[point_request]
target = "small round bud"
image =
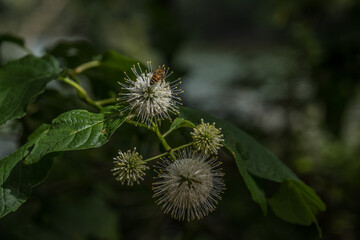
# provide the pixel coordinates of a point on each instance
(207, 138)
(129, 167)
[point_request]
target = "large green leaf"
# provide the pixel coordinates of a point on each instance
(297, 203)
(254, 159)
(21, 81)
(257, 193)
(74, 130)
(16, 179)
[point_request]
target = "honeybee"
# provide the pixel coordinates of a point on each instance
(159, 75)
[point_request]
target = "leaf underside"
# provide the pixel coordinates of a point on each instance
(21, 81)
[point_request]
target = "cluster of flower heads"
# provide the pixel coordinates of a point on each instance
(189, 183)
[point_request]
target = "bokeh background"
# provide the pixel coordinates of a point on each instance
(287, 72)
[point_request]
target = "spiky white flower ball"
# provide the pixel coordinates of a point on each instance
(129, 167)
(188, 188)
(207, 138)
(150, 97)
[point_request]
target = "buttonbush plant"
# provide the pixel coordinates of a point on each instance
(189, 180)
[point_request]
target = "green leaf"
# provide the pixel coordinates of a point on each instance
(254, 159)
(297, 203)
(73, 130)
(12, 38)
(76, 130)
(115, 64)
(178, 123)
(21, 81)
(16, 179)
(181, 122)
(17, 187)
(257, 194)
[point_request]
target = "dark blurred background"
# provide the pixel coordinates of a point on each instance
(287, 72)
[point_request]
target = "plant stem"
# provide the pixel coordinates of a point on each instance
(86, 66)
(82, 93)
(182, 146)
(106, 101)
(166, 153)
(156, 157)
(139, 124)
(163, 142)
(169, 131)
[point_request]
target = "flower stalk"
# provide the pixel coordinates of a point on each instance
(166, 153)
(137, 124)
(163, 142)
(86, 66)
(82, 93)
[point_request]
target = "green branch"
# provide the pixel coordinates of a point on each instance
(86, 66)
(156, 157)
(137, 124)
(163, 142)
(168, 132)
(183, 146)
(82, 93)
(155, 129)
(166, 153)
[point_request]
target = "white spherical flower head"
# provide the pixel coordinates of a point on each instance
(189, 188)
(150, 97)
(207, 138)
(129, 167)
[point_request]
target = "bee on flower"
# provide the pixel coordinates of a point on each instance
(129, 167)
(150, 96)
(189, 187)
(207, 138)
